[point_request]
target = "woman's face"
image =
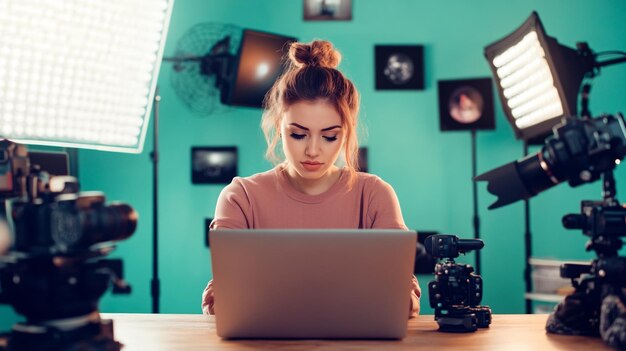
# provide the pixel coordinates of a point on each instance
(312, 138)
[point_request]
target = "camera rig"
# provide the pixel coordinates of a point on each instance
(457, 291)
(597, 305)
(581, 150)
(52, 269)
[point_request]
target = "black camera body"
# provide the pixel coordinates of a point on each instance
(599, 219)
(605, 223)
(457, 291)
(456, 284)
(52, 266)
(581, 149)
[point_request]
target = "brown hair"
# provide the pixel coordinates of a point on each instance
(312, 75)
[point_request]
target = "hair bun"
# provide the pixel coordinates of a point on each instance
(319, 53)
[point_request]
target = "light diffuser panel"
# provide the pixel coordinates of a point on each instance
(80, 73)
(527, 82)
(537, 79)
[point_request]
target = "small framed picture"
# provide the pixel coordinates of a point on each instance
(363, 166)
(327, 10)
(424, 262)
(213, 165)
(466, 104)
(399, 67)
(207, 231)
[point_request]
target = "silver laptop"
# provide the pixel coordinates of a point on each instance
(312, 284)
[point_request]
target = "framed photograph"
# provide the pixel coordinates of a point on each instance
(399, 67)
(207, 231)
(363, 166)
(327, 10)
(466, 104)
(424, 262)
(213, 165)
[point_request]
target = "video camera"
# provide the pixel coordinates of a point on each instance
(53, 240)
(581, 150)
(456, 292)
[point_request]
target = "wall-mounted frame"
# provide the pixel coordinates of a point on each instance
(213, 165)
(363, 162)
(207, 231)
(399, 67)
(327, 10)
(466, 104)
(424, 262)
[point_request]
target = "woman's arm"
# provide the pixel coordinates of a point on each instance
(232, 208)
(231, 212)
(385, 213)
(208, 299)
(384, 210)
(416, 293)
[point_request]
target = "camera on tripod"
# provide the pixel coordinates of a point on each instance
(457, 291)
(52, 269)
(581, 150)
(588, 311)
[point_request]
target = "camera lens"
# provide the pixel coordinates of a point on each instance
(536, 173)
(113, 222)
(79, 221)
(519, 180)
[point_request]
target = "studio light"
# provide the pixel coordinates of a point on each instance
(537, 78)
(80, 73)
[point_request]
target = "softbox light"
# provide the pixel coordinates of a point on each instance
(537, 78)
(80, 73)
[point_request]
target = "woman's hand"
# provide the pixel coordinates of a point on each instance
(416, 293)
(208, 299)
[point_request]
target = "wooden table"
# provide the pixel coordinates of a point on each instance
(142, 332)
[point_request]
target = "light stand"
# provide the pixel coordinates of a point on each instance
(155, 284)
(476, 218)
(467, 105)
(527, 248)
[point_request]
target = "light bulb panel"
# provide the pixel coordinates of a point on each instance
(80, 73)
(524, 65)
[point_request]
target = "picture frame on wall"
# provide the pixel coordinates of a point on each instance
(327, 10)
(213, 165)
(207, 231)
(466, 104)
(363, 163)
(424, 262)
(399, 67)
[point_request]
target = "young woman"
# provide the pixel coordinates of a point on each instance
(312, 112)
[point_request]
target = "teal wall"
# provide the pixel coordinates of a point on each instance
(430, 170)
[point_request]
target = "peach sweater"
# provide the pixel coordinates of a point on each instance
(268, 200)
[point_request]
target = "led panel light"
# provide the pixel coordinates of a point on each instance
(80, 73)
(537, 79)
